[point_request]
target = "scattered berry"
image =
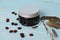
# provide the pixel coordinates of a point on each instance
(17, 19)
(7, 19)
(22, 35)
(15, 24)
(19, 28)
(11, 31)
(15, 31)
(12, 23)
(7, 28)
(13, 12)
(30, 34)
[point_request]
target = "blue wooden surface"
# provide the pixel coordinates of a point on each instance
(47, 7)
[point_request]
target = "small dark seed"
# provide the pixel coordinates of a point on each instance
(11, 31)
(30, 34)
(22, 35)
(15, 24)
(13, 12)
(7, 19)
(15, 31)
(12, 23)
(17, 19)
(19, 28)
(7, 28)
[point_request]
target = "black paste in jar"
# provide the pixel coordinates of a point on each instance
(29, 21)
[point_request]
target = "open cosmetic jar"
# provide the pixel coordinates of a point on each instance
(29, 16)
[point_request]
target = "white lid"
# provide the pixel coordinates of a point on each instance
(28, 11)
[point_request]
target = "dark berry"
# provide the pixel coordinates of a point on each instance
(15, 31)
(19, 28)
(22, 35)
(15, 24)
(12, 23)
(11, 31)
(17, 19)
(30, 34)
(7, 19)
(13, 12)
(7, 28)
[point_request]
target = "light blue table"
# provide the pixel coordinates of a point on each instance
(47, 7)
